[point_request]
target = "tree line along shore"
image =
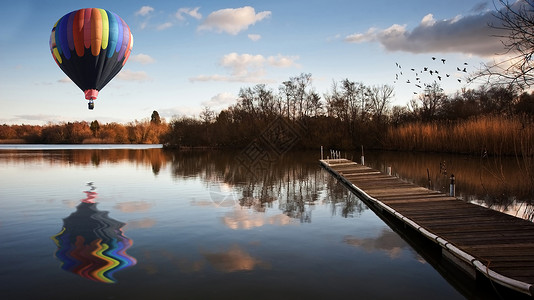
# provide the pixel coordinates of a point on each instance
(492, 121)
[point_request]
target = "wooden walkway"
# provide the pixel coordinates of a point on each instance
(487, 242)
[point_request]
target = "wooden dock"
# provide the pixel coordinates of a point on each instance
(481, 241)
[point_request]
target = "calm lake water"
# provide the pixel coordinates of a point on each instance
(103, 222)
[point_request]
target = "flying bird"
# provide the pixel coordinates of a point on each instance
(443, 60)
(433, 58)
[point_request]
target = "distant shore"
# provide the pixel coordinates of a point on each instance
(13, 141)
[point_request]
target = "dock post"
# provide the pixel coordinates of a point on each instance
(321, 152)
(452, 191)
(363, 158)
(389, 170)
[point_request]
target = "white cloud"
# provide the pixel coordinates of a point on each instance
(281, 61)
(142, 58)
(42, 118)
(192, 12)
(369, 36)
(221, 99)
(242, 64)
(179, 111)
(65, 79)
(254, 37)
(207, 78)
(164, 26)
(462, 34)
(130, 75)
(480, 7)
(145, 10)
(428, 20)
(250, 78)
(248, 68)
(233, 20)
(333, 37)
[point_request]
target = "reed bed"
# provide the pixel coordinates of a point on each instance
(488, 135)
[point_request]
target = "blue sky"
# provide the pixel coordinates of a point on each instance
(191, 54)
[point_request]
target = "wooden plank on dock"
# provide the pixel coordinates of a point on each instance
(499, 246)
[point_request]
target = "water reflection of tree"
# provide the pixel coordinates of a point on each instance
(154, 157)
(294, 182)
(495, 182)
(342, 200)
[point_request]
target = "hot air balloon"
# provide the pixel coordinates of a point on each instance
(91, 46)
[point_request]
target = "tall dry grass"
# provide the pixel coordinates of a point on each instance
(491, 138)
(488, 135)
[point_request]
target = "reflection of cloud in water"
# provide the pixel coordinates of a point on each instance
(195, 202)
(152, 262)
(220, 195)
(233, 260)
(388, 242)
(247, 219)
(133, 206)
(143, 223)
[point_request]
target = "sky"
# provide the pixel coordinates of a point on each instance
(188, 55)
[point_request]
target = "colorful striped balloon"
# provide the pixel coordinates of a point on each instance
(91, 46)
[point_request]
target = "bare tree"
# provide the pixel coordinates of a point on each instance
(295, 91)
(207, 115)
(431, 101)
(287, 90)
(335, 104)
(314, 106)
(380, 100)
(516, 23)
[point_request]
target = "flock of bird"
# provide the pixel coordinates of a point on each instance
(419, 77)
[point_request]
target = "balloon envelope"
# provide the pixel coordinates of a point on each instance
(91, 46)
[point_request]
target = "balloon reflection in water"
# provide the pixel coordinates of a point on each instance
(91, 244)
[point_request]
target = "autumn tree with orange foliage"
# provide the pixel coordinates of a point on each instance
(137, 132)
